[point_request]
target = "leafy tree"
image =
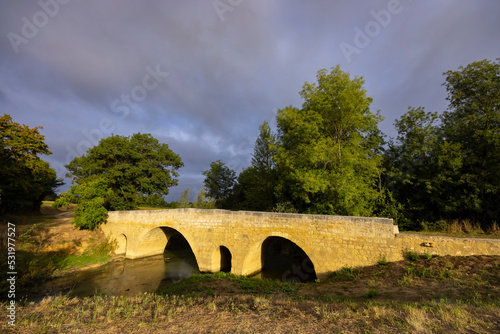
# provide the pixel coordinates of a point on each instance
(153, 200)
(473, 122)
(134, 168)
(326, 150)
(118, 174)
(448, 167)
(183, 202)
(202, 201)
(92, 198)
(256, 184)
(420, 167)
(219, 182)
(25, 179)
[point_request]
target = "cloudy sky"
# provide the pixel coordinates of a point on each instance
(202, 75)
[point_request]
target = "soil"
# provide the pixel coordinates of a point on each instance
(60, 234)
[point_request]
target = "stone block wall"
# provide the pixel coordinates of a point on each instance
(331, 242)
(438, 245)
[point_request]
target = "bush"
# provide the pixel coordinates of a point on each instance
(285, 207)
(90, 213)
(93, 197)
(64, 200)
(436, 226)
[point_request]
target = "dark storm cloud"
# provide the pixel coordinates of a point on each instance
(87, 70)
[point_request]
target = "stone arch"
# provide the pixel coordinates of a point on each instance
(222, 259)
(121, 247)
(254, 261)
(156, 240)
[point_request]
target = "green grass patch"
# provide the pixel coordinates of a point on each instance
(382, 260)
(196, 284)
(345, 274)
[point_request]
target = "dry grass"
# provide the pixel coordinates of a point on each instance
(458, 226)
(466, 299)
(494, 229)
(48, 244)
(422, 294)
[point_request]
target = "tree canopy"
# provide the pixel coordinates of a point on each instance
(472, 122)
(326, 157)
(25, 179)
(133, 168)
(256, 185)
(219, 182)
(448, 166)
(329, 157)
(325, 150)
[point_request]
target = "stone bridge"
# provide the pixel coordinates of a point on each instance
(237, 238)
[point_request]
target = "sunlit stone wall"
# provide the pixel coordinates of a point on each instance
(331, 242)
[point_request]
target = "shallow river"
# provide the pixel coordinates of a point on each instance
(124, 277)
(282, 261)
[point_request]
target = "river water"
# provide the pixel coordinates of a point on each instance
(282, 261)
(129, 277)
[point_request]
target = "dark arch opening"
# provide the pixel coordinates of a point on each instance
(178, 248)
(225, 259)
(283, 259)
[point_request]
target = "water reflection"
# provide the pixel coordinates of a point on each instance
(131, 277)
(282, 260)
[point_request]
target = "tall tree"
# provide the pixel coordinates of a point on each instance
(326, 149)
(219, 182)
(202, 202)
(24, 178)
(473, 121)
(257, 184)
(448, 167)
(184, 201)
(421, 167)
(133, 168)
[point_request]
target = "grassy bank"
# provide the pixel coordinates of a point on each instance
(422, 294)
(47, 244)
(418, 295)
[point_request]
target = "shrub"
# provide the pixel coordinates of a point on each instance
(372, 293)
(90, 213)
(93, 197)
(284, 207)
(494, 229)
(436, 226)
